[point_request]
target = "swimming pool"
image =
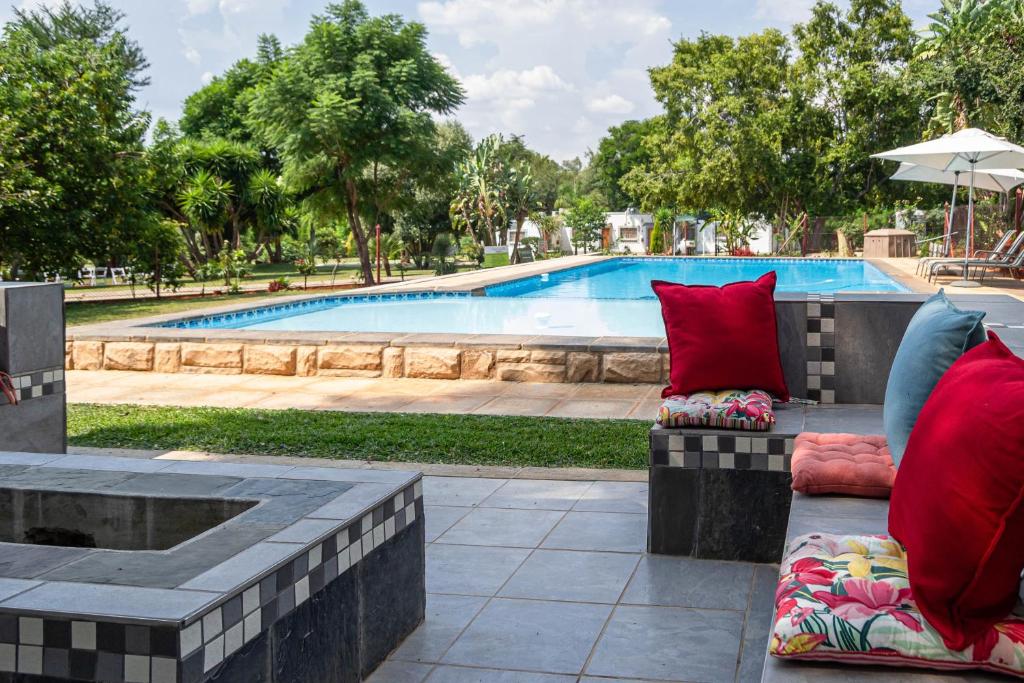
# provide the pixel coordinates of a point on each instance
(612, 298)
(630, 278)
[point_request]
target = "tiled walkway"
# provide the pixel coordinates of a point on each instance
(547, 582)
(374, 395)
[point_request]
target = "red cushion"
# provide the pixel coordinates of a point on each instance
(956, 503)
(845, 464)
(722, 337)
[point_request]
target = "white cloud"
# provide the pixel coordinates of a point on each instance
(194, 7)
(39, 4)
(221, 43)
(207, 77)
(784, 12)
(559, 72)
(610, 104)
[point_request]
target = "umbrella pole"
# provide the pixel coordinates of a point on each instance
(965, 281)
(948, 246)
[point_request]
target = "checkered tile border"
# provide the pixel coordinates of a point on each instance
(821, 348)
(110, 652)
(216, 635)
(40, 383)
(679, 448)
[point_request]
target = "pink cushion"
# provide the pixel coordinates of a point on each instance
(848, 464)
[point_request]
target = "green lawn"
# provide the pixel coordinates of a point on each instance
(89, 312)
(451, 439)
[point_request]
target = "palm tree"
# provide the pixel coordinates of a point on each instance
(521, 196)
(478, 203)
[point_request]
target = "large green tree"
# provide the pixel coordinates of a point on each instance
(71, 140)
(358, 91)
(620, 151)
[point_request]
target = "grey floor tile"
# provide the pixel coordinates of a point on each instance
(758, 626)
(669, 643)
(530, 635)
(686, 582)
(470, 570)
(537, 494)
(446, 616)
(572, 575)
(400, 672)
(507, 528)
(848, 419)
(614, 496)
(459, 491)
(461, 674)
(613, 531)
(440, 518)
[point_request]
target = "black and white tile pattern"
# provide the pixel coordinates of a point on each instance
(692, 449)
(821, 348)
(39, 383)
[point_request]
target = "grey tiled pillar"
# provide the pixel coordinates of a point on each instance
(32, 353)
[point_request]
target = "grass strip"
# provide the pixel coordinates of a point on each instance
(449, 439)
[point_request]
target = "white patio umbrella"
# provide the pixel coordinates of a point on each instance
(994, 180)
(968, 150)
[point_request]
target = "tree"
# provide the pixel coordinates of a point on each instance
(663, 221)
(479, 203)
(358, 90)
(71, 141)
(586, 220)
(618, 152)
(521, 196)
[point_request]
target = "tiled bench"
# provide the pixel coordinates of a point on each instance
(717, 494)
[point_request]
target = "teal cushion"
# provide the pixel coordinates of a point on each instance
(938, 334)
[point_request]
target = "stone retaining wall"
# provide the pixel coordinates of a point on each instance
(370, 360)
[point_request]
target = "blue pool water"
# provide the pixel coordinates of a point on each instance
(610, 298)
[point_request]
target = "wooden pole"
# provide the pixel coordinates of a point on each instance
(378, 252)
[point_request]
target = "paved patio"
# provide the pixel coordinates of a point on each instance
(546, 581)
(639, 401)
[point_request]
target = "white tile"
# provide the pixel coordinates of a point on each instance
(828, 325)
(37, 391)
(30, 631)
(813, 339)
(417, 489)
(48, 376)
(136, 669)
(410, 513)
(813, 367)
(828, 368)
(30, 659)
(344, 559)
(742, 444)
(191, 639)
(233, 638)
(366, 524)
(790, 444)
(398, 501)
(813, 310)
(316, 554)
(759, 445)
(675, 458)
(212, 624)
(213, 654)
(8, 657)
(813, 382)
(83, 635)
(710, 443)
(828, 396)
(253, 625)
(726, 461)
(301, 590)
(776, 463)
(58, 375)
(251, 599)
(389, 528)
(378, 536)
(367, 543)
(165, 670)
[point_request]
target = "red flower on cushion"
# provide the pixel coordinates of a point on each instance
(984, 645)
(809, 571)
(865, 599)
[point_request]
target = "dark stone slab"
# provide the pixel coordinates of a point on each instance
(743, 515)
(19, 561)
(674, 497)
(67, 479)
(791, 320)
(181, 484)
(867, 336)
(35, 426)
(32, 328)
(846, 419)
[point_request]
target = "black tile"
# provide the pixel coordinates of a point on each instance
(378, 516)
(163, 642)
(828, 310)
(48, 391)
(400, 515)
(659, 458)
(330, 569)
(286, 601)
(813, 325)
(692, 443)
(232, 612)
(419, 508)
(192, 668)
(109, 666)
(726, 444)
(285, 576)
(268, 589)
(136, 640)
(410, 495)
(331, 545)
(269, 614)
(814, 353)
(82, 665)
(56, 633)
(828, 382)
(300, 567)
(8, 628)
(828, 355)
(741, 461)
(55, 662)
(354, 532)
(389, 507)
(814, 394)
(110, 637)
(776, 446)
(316, 580)
(672, 523)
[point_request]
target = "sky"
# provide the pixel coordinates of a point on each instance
(558, 72)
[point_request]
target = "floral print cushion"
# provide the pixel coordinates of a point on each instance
(732, 409)
(847, 598)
